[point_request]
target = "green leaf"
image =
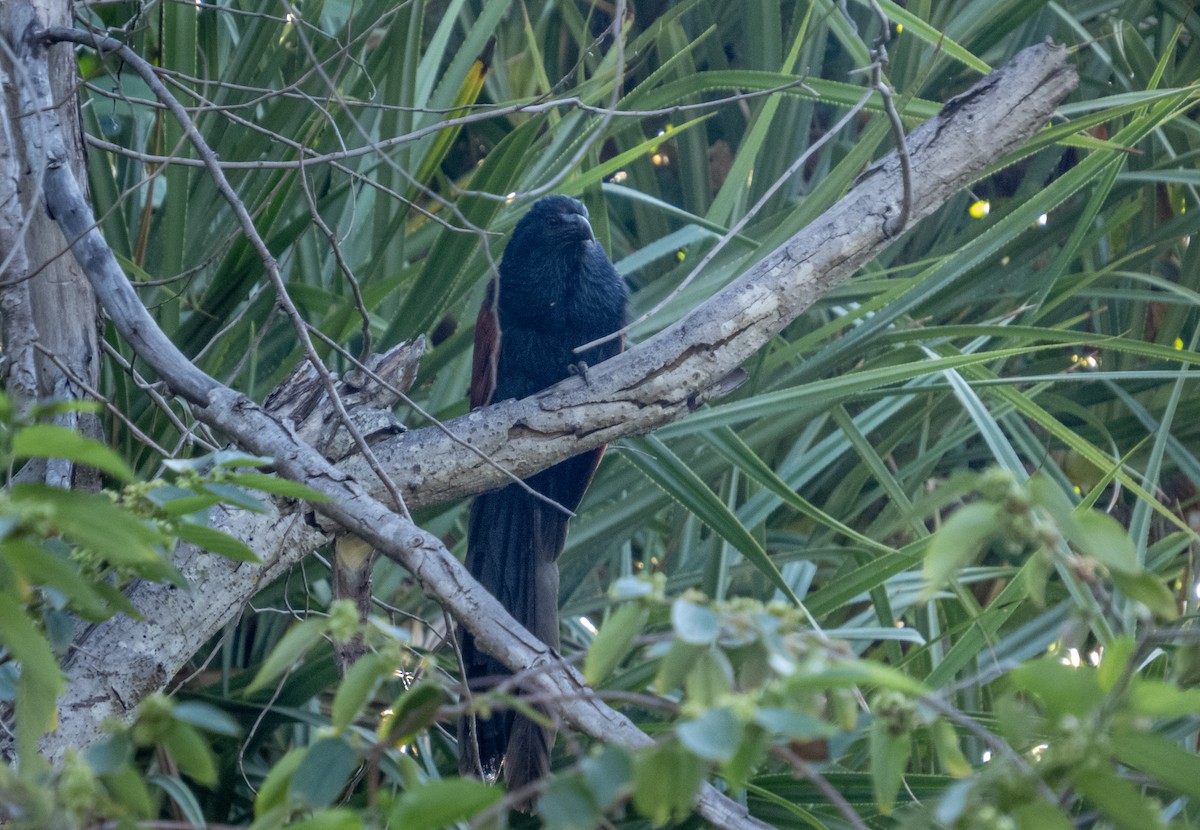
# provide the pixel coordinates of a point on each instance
(808, 398)
(1038, 569)
(938, 39)
(1040, 815)
(127, 787)
(1046, 494)
(710, 678)
(339, 818)
(412, 712)
(1160, 699)
(856, 673)
(50, 441)
(40, 566)
(736, 450)
(234, 458)
(568, 804)
(1118, 799)
(835, 92)
(356, 689)
(1102, 537)
(472, 85)
(217, 542)
(889, 761)
(92, 521)
(694, 624)
(945, 743)
(608, 771)
(272, 794)
(191, 753)
(439, 803)
(750, 753)
(613, 642)
(595, 175)
(673, 668)
(208, 717)
(1149, 590)
(1113, 664)
(114, 597)
(110, 755)
(666, 778)
(630, 588)
(276, 486)
(959, 542)
(179, 792)
(322, 774)
(791, 724)
(235, 496)
(714, 736)
(178, 501)
(1159, 758)
(41, 679)
(1061, 689)
(294, 645)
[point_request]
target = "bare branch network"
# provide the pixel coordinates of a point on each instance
(654, 383)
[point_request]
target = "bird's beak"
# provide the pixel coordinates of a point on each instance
(585, 227)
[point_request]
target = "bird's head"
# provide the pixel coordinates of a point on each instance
(554, 222)
(552, 256)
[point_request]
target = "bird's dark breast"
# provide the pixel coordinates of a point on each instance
(580, 300)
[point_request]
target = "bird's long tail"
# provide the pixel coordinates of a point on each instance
(514, 542)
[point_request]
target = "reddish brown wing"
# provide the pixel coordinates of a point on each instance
(485, 362)
(486, 359)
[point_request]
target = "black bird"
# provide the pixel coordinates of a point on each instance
(557, 290)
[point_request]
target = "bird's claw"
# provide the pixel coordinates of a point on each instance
(580, 368)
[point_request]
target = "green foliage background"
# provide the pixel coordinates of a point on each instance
(838, 469)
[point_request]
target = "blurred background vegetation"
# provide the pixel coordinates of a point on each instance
(835, 472)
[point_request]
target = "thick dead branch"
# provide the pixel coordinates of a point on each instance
(659, 381)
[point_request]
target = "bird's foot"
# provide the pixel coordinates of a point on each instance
(580, 368)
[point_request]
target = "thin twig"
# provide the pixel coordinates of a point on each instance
(486, 112)
(895, 224)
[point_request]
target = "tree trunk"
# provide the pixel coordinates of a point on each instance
(51, 304)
